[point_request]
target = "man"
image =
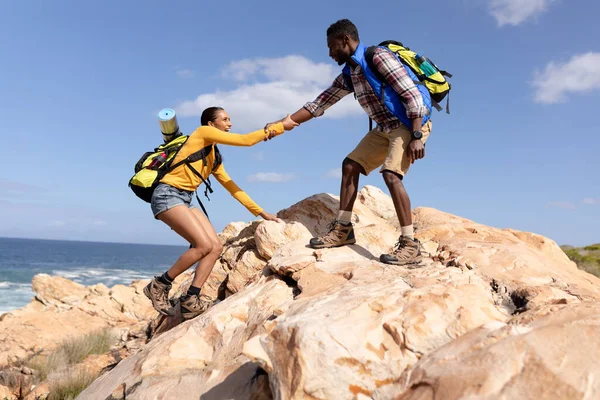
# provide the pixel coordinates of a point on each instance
(401, 110)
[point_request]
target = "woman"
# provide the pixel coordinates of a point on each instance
(171, 203)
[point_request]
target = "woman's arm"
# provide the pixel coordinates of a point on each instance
(221, 175)
(214, 135)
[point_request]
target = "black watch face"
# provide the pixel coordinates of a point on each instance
(417, 135)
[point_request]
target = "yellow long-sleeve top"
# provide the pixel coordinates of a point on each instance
(183, 178)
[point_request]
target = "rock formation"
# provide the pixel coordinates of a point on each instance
(489, 313)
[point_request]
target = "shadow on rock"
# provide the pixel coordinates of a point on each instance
(255, 388)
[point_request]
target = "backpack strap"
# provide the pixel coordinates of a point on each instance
(197, 156)
(348, 82)
(218, 158)
(369, 54)
(385, 43)
(202, 206)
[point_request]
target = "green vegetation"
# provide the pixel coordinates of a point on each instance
(69, 387)
(587, 258)
(67, 379)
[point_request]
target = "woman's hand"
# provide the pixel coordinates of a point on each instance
(287, 122)
(269, 217)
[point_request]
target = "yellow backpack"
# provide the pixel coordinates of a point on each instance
(426, 71)
(154, 165)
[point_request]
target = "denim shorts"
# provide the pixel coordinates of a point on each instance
(166, 197)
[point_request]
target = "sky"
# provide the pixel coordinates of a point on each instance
(81, 84)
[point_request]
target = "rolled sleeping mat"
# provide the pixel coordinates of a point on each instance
(168, 124)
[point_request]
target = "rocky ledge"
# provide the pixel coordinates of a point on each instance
(489, 313)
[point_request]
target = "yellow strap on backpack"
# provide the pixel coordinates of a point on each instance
(436, 82)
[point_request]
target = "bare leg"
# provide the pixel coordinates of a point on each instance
(205, 266)
(399, 197)
(183, 221)
(342, 232)
(349, 188)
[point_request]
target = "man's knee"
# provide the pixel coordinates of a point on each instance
(392, 178)
(351, 167)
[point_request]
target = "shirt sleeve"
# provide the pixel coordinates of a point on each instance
(221, 175)
(214, 135)
(329, 97)
(396, 76)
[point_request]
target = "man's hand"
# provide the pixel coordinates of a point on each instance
(269, 217)
(288, 125)
(416, 150)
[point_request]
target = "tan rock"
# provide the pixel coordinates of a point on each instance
(201, 356)
(316, 212)
(57, 291)
(26, 333)
(6, 393)
(131, 302)
(270, 236)
(216, 284)
(379, 203)
(40, 327)
(231, 231)
(26, 371)
(510, 260)
(95, 364)
(371, 329)
(15, 382)
(240, 263)
(39, 392)
(485, 312)
(312, 281)
(554, 357)
(248, 266)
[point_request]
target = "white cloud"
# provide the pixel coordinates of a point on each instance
(185, 73)
(561, 204)
(271, 177)
(590, 201)
(514, 12)
(580, 74)
(291, 68)
(268, 89)
(258, 156)
(334, 173)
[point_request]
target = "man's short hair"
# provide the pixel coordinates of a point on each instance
(343, 27)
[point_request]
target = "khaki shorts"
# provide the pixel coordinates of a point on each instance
(388, 150)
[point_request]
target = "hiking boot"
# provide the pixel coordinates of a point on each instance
(192, 306)
(339, 234)
(158, 293)
(406, 251)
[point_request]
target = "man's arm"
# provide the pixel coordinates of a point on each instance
(416, 148)
(301, 116)
(313, 109)
(396, 76)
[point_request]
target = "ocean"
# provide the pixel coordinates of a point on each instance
(87, 263)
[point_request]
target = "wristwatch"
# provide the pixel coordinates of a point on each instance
(416, 135)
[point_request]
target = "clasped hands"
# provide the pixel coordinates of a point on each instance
(288, 125)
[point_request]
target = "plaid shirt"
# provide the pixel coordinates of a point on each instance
(395, 75)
